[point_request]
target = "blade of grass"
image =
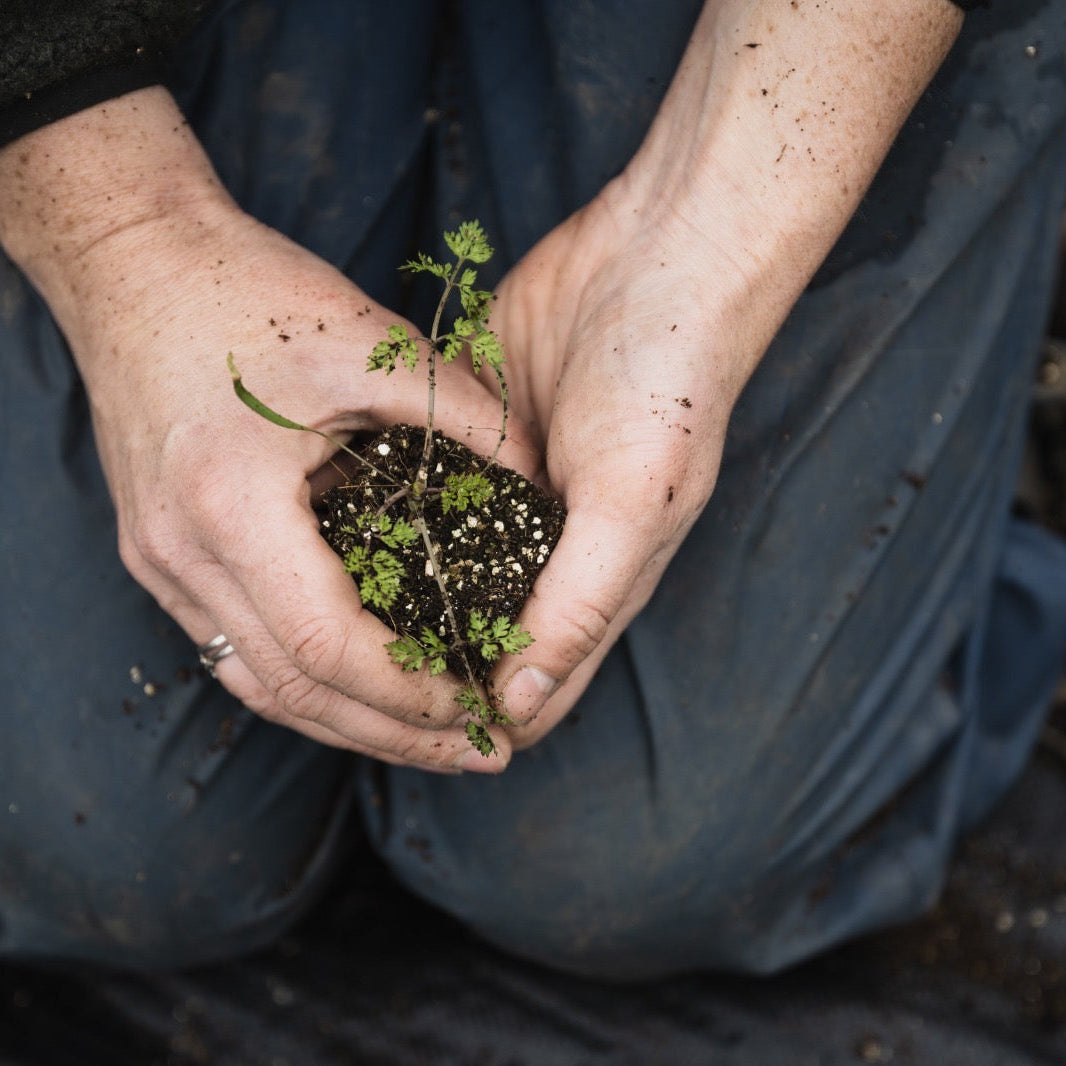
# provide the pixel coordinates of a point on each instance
(252, 401)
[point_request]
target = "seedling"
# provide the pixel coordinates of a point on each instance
(444, 545)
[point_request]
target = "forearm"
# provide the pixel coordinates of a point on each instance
(775, 124)
(82, 197)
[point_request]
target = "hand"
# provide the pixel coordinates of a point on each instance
(632, 328)
(613, 358)
(213, 502)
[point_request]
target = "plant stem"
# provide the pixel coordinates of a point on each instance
(419, 522)
(253, 402)
(398, 495)
(422, 479)
(503, 420)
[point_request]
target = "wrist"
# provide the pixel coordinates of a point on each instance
(83, 195)
(775, 124)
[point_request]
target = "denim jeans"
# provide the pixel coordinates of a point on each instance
(843, 668)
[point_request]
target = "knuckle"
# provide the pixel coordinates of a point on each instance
(209, 503)
(319, 648)
(130, 554)
(265, 706)
(423, 754)
(294, 693)
(583, 627)
(147, 542)
(408, 752)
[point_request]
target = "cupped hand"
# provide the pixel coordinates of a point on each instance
(627, 359)
(213, 501)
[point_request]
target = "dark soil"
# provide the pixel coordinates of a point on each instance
(490, 555)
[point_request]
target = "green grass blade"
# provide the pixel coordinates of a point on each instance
(260, 408)
(257, 405)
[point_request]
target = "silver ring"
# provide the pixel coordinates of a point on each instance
(213, 652)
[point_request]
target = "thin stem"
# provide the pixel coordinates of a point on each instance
(503, 421)
(434, 338)
(355, 455)
(398, 495)
(418, 518)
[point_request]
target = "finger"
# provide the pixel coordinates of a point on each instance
(379, 737)
(301, 625)
(601, 565)
(339, 721)
(210, 598)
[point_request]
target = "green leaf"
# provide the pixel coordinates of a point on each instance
(381, 586)
(394, 532)
(516, 639)
(486, 348)
(469, 242)
(433, 643)
(479, 736)
(356, 560)
(482, 714)
(379, 575)
(407, 652)
(400, 345)
(477, 627)
(479, 631)
(474, 703)
(453, 348)
(412, 654)
(425, 264)
(491, 637)
(455, 341)
(382, 357)
(475, 302)
(463, 491)
(258, 406)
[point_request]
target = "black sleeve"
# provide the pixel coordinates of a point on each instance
(58, 57)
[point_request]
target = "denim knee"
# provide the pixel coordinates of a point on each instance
(136, 867)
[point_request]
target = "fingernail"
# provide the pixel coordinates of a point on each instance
(527, 692)
(475, 762)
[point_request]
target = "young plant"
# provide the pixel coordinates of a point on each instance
(408, 523)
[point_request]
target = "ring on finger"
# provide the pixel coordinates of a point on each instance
(213, 652)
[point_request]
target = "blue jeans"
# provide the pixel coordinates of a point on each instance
(843, 668)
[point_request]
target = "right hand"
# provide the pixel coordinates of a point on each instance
(213, 501)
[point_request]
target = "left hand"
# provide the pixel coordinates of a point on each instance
(613, 357)
(632, 327)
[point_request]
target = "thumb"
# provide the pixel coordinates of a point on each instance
(600, 574)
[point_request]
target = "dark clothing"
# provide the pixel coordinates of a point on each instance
(845, 665)
(57, 57)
